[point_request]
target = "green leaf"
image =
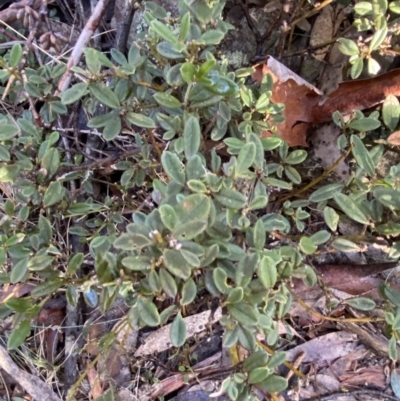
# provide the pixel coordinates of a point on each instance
(164, 31)
(267, 272)
(307, 245)
(273, 384)
(112, 128)
(19, 305)
(273, 182)
(155, 10)
(176, 263)
(394, 6)
(244, 313)
(173, 167)
(187, 72)
(168, 216)
(154, 282)
(235, 296)
(149, 313)
(47, 287)
(92, 60)
(292, 174)
(189, 292)
(193, 207)
(197, 186)
(320, 237)
(326, 192)
(210, 37)
(348, 47)
(195, 169)
(45, 228)
(365, 124)
(8, 131)
(373, 66)
(259, 202)
(54, 194)
(350, 208)
(178, 331)
(271, 143)
(311, 278)
(393, 353)
(361, 303)
(259, 235)
(185, 26)
(140, 120)
(137, 263)
(245, 269)
(255, 360)
(220, 277)
(189, 230)
(231, 199)
(277, 359)
(104, 94)
(258, 375)
(296, 157)
(40, 262)
(331, 218)
(75, 263)
(344, 245)
(166, 100)
(19, 335)
(51, 161)
(19, 271)
(391, 112)
(245, 158)
(166, 50)
(4, 153)
(395, 380)
(362, 155)
(191, 136)
(72, 296)
(168, 283)
(74, 93)
(16, 54)
(377, 39)
(174, 77)
(393, 295)
(128, 242)
(356, 68)
(363, 7)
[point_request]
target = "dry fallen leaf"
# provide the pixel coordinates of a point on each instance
(326, 348)
(322, 31)
(297, 95)
(305, 104)
(324, 141)
(159, 340)
(371, 376)
(394, 138)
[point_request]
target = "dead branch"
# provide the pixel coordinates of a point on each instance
(31, 384)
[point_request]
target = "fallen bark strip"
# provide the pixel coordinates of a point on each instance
(31, 384)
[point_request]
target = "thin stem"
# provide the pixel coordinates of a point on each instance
(187, 94)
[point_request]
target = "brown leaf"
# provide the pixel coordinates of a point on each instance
(325, 348)
(16, 291)
(371, 376)
(357, 95)
(298, 96)
(305, 104)
(94, 381)
(352, 279)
